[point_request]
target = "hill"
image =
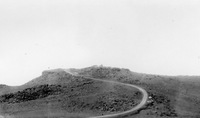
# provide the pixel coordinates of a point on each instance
(79, 95)
(57, 93)
(172, 96)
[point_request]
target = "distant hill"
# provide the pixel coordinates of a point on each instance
(170, 96)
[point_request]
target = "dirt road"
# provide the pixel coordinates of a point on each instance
(142, 103)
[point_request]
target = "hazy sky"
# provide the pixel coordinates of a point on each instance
(148, 36)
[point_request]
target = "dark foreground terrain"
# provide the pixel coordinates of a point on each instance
(58, 94)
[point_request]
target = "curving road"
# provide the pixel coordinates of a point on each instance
(142, 103)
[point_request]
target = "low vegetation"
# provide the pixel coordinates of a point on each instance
(33, 93)
(172, 96)
(80, 95)
(62, 94)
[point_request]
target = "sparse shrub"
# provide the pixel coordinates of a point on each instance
(164, 102)
(33, 93)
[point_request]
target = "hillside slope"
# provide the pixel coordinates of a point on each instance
(60, 94)
(170, 96)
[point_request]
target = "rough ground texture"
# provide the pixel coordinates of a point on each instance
(73, 97)
(172, 96)
(58, 93)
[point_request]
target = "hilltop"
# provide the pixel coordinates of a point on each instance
(62, 94)
(170, 96)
